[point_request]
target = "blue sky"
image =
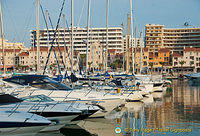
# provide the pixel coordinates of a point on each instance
(19, 15)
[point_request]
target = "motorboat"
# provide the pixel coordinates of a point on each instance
(41, 84)
(57, 112)
(14, 122)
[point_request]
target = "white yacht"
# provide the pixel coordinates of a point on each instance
(59, 113)
(39, 84)
(19, 122)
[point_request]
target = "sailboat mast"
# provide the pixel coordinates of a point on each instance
(3, 53)
(88, 25)
(106, 54)
(141, 49)
(133, 48)
(128, 45)
(135, 43)
(72, 33)
(47, 19)
(38, 44)
(65, 48)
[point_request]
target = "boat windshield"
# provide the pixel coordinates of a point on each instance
(38, 81)
(49, 84)
(37, 98)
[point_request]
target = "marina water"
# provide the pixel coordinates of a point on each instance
(176, 113)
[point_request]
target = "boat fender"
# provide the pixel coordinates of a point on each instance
(118, 90)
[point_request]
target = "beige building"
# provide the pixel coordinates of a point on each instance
(145, 58)
(60, 54)
(191, 60)
(95, 55)
(12, 45)
(156, 36)
(9, 56)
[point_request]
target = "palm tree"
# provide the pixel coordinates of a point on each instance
(100, 66)
(182, 62)
(151, 65)
(162, 64)
(90, 63)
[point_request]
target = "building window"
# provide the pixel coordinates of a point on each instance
(175, 63)
(192, 57)
(166, 59)
(191, 62)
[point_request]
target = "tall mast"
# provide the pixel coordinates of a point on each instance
(34, 38)
(65, 48)
(72, 41)
(3, 53)
(88, 25)
(106, 54)
(133, 54)
(128, 45)
(14, 54)
(141, 49)
(47, 19)
(135, 43)
(38, 44)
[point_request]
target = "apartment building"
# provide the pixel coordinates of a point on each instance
(115, 38)
(95, 55)
(44, 51)
(9, 56)
(190, 58)
(12, 45)
(160, 59)
(157, 36)
(137, 60)
(145, 58)
(138, 44)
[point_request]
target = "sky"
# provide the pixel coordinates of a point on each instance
(19, 16)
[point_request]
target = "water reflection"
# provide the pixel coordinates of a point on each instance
(177, 113)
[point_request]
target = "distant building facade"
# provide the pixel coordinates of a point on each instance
(190, 59)
(157, 36)
(115, 38)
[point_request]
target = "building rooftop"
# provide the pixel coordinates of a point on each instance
(10, 50)
(164, 50)
(24, 54)
(175, 54)
(191, 49)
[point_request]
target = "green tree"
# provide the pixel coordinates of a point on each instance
(162, 64)
(151, 66)
(182, 62)
(100, 66)
(117, 64)
(90, 63)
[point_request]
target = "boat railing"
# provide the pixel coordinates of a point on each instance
(13, 110)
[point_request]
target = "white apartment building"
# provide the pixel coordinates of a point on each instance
(12, 45)
(115, 38)
(137, 44)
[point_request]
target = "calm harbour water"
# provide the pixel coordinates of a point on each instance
(176, 113)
